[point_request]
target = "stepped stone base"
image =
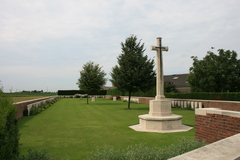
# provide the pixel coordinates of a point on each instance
(160, 124)
(160, 119)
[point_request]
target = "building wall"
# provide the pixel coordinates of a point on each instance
(214, 124)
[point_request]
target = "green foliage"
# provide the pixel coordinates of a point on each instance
(1, 88)
(142, 152)
(9, 136)
(41, 154)
(37, 109)
(91, 78)
(227, 96)
(215, 73)
(169, 87)
(134, 71)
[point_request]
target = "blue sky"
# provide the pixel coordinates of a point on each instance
(44, 43)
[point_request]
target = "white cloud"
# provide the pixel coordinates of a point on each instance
(55, 38)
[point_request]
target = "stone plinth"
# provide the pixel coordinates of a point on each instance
(160, 107)
(160, 119)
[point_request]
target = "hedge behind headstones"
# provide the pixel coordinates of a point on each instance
(224, 96)
(73, 92)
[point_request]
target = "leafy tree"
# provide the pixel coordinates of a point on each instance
(169, 87)
(91, 78)
(215, 73)
(1, 87)
(134, 71)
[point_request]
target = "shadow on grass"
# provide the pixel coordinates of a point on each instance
(106, 104)
(143, 109)
(23, 120)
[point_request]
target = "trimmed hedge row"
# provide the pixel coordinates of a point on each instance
(227, 96)
(73, 92)
(151, 93)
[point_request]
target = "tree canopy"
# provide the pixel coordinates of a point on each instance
(216, 72)
(91, 78)
(169, 87)
(134, 71)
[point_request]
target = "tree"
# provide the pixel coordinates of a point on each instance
(1, 87)
(169, 87)
(9, 136)
(91, 78)
(215, 73)
(134, 71)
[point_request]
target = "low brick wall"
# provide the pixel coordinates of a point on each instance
(224, 105)
(214, 124)
(21, 106)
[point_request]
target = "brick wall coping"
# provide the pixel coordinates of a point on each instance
(218, 111)
(34, 100)
(227, 148)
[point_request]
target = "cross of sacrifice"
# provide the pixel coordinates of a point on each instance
(159, 65)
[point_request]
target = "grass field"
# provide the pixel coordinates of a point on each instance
(72, 129)
(18, 97)
(27, 94)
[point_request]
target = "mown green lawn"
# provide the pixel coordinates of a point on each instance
(73, 129)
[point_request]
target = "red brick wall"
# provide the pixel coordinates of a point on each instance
(214, 127)
(224, 105)
(21, 106)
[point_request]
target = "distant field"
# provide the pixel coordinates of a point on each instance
(18, 97)
(27, 94)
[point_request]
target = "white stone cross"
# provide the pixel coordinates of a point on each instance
(159, 65)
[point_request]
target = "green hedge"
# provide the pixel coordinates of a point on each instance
(73, 92)
(112, 92)
(9, 136)
(227, 96)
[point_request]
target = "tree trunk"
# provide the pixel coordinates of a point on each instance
(87, 98)
(129, 99)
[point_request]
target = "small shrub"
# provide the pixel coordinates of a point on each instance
(36, 155)
(35, 110)
(25, 112)
(43, 106)
(142, 152)
(176, 106)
